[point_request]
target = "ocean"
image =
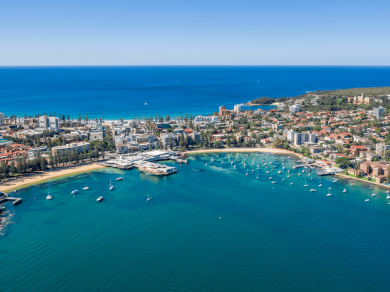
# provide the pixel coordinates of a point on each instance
(221, 229)
(128, 92)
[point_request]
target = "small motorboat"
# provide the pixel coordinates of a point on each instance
(48, 197)
(367, 200)
(74, 192)
(313, 190)
(345, 190)
(267, 172)
(100, 199)
(120, 178)
(373, 195)
(270, 177)
(320, 185)
(291, 183)
(279, 172)
(86, 188)
(274, 182)
(283, 179)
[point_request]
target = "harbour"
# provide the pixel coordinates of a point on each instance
(192, 222)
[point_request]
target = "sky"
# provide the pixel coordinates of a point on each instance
(200, 32)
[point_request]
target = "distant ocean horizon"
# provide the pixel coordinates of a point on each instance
(142, 91)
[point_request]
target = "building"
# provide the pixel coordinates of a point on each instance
(54, 124)
(70, 124)
(33, 152)
(167, 139)
(43, 122)
(301, 138)
(222, 111)
(121, 148)
(1, 119)
(206, 119)
(195, 136)
(74, 147)
(291, 135)
(381, 148)
(294, 108)
(378, 112)
(49, 123)
(237, 108)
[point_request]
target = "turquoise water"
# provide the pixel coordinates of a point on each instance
(115, 92)
(270, 237)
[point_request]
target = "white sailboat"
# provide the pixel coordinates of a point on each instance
(48, 194)
(86, 188)
(111, 186)
(305, 185)
(149, 198)
(329, 194)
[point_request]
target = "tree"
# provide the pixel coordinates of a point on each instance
(278, 143)
(343, 162)
(43, 164)
(13, 168)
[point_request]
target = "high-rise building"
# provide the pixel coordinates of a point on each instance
(1, 119)
(291, 135)
(378, 112)
(43, 122)
(300, 138)
(237, 108)
(54, 124)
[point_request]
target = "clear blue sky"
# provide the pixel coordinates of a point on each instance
(200, 32)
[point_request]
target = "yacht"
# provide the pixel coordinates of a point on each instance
(288, 176)
(279, 171)
(320, 185)
(48, 194)
(274, 182)
(100, 199)
(388, 197)
(74, 192)
(345, 190)
(234, 166)
(303, 170)
(373, 195)
(313, 190)
(267, 172)
(367, 200)
(291, 183)
(305, 185)
(329, 194)
(86, 188)
(111, 186)
(120, 178)
(270, 177)
(149, 198)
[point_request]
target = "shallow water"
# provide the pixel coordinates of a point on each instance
(215, 230)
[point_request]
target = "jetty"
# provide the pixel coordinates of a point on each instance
(5, 198)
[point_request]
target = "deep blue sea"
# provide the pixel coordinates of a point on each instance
(222, 229)
(115, 92)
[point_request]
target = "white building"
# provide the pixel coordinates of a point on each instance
(51, 123)
(301, 138)
(378, 112)
(167, 138)
(1, 119)
(294, 108)
(381, 148)
(237, 108)
(33, 152)
(206, 119)
(54, 124)
(291, 135)
(72, 147)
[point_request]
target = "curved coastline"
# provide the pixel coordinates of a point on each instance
(270, 150)
(43, 176)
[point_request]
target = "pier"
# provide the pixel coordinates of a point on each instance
(5, 198)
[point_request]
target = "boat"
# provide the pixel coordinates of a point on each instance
(320, 185)
(247, 174)
(148, 199)
(283, 179)
(212, 159)
(288, 176)
(274, 182)
(205, 164)
(351, 184)
(279, 171)
(270, 177)
(334, 181)
(303, 170)
(74, 192)
(367, 200)
(120, 178)
(86, 188)
(234, 166)
(373, 195)
(267, 172)
(329, 194)
(100, 199)
(111, 186)
(48, 194)
(305, 185)
(291, 183)
(313, 190)
(388, 197)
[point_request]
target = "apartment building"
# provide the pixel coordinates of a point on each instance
(74, 147)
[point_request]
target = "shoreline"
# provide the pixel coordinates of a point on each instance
(43, 176)
(257, 104)
(271, 150)
(362, 180)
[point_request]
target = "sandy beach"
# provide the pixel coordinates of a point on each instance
(269, 150)
(42, 176)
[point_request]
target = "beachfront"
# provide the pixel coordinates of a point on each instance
(43, 176)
